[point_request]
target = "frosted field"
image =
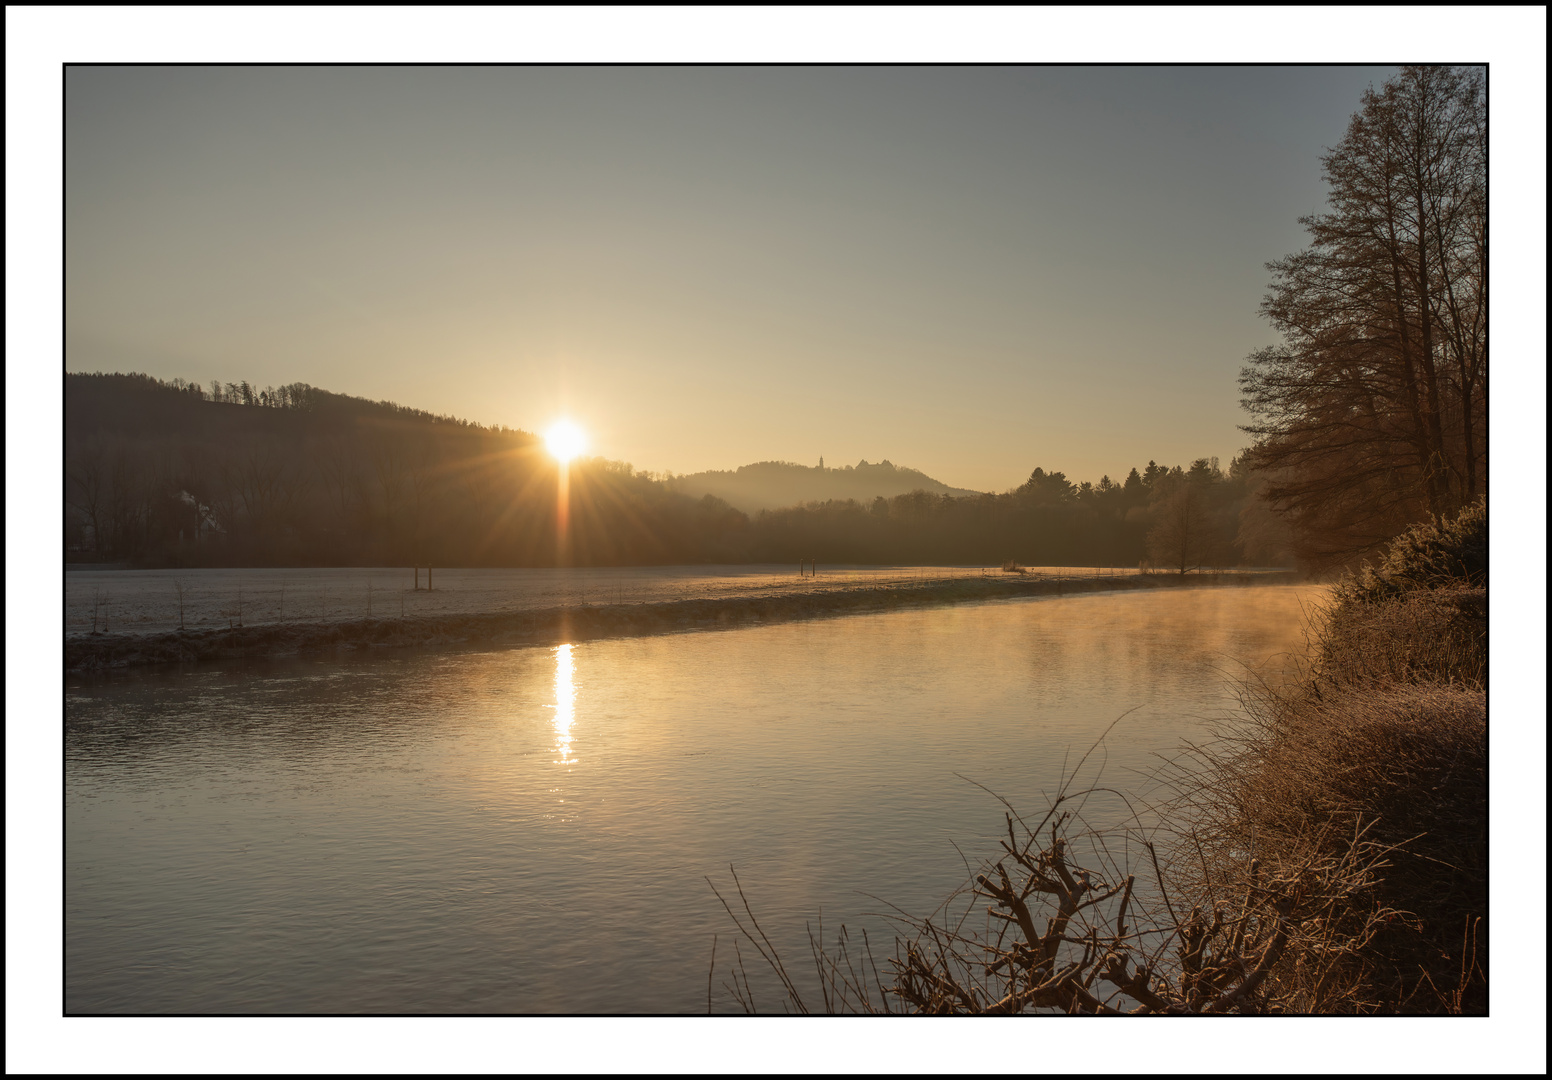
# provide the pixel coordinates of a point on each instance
(147, 601)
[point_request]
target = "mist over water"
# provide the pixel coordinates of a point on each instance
(528, 830)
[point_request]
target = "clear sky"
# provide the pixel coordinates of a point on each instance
(968, 270)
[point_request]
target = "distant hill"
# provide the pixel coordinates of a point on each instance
(771, 485)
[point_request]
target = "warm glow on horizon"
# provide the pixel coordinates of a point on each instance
(565, 440)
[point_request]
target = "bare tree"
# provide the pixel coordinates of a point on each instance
(388, 465)
(87, 484)
(127, 497)
(1372, 406)
(1179, 537)
(338, 466)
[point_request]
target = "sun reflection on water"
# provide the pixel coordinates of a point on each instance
(565, 703)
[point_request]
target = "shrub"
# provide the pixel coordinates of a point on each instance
(1432, 555)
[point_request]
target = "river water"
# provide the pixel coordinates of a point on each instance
(530, 830)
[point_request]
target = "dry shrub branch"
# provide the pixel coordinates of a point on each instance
(1036, 931)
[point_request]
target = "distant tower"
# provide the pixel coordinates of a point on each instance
(821, 461)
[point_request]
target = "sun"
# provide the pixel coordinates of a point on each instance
(565, 440)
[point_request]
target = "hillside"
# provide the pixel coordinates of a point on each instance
(161, 473)
(174, 474)
(770, 485)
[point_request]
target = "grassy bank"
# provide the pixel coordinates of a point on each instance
(1326, 853)
(96, 652)
(1377, 756)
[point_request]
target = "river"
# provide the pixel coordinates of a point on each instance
(530, 830)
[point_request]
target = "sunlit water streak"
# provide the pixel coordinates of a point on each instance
(529, 830)
(565, 703)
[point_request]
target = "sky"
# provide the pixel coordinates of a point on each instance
(971, 271)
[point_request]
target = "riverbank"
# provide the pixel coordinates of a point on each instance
(581, 622)
(1368, 775)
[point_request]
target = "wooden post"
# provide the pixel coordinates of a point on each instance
(417, 579)
(428, 579)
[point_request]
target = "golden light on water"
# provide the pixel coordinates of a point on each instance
(565, 440)
(565, 702)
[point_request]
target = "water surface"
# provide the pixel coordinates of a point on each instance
(528, 830)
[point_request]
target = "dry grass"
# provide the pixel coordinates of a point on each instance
(1391, 775)
(1422, 637)
(1378, 751)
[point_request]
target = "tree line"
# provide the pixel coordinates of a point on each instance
(1174, 518)
(168, 473)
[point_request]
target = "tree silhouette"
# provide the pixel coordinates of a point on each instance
(1371, 411)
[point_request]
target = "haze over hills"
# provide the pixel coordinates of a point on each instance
(771, 485)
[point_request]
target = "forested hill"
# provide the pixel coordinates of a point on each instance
(770, 485)
(173, 474)
(140, 406)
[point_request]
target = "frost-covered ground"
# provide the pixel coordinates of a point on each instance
(149, 601)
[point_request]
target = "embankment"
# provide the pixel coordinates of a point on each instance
(102, 651)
